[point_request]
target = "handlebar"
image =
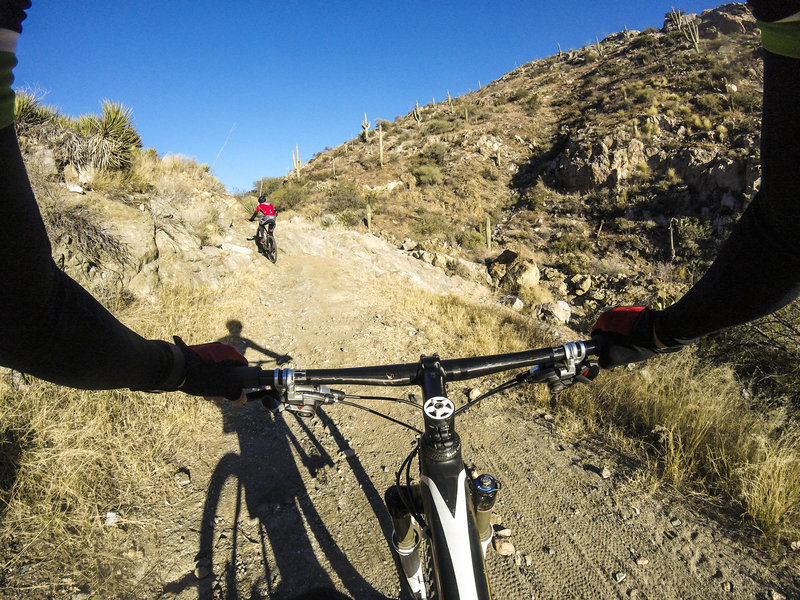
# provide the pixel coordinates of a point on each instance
(406, 374)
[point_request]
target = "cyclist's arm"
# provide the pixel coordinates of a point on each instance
(758, 268)
(50, 327)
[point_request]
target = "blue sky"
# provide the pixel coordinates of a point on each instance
(267, 75)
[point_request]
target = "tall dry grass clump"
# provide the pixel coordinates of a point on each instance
(695, 420)
(69, 457)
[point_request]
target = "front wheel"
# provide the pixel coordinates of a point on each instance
(271, 248)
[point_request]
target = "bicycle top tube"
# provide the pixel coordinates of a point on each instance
(408, 373)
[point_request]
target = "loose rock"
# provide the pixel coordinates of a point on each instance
(503, 546)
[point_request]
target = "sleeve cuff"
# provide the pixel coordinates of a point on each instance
(781, 38)
(7, 62)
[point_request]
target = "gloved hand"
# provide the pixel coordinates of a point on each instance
(208, 368)
(627, 336)
(12, 14)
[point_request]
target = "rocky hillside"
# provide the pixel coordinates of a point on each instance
(613, 169)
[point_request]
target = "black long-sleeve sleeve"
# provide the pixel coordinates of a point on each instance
(757, 270)
(50, 327)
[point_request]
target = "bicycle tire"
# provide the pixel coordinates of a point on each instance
(271, 250)
(429, 572)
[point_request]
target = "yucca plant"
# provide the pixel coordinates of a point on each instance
(111, 137)
(29, 111)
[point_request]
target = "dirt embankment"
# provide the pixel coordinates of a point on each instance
(276, 505)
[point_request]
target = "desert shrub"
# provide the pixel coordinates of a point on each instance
(574, 263)
(430, 224)
(110, 138)
(767, 352)
(29, 111)
(490, 173)
(346, 195)
(438, 126)
(533, 104)
(436, 152)
(288, 196)
(470, 238)
(748, 102)
(267, 185)
(519, 95)
(711, 103)
(644, 40)
(427, 174)
(570, 244)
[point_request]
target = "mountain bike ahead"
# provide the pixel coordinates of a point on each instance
(265, 239)
(441, 522)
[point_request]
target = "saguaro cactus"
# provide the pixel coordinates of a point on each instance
(690, 33)
(416, 114)
(380, 142)
(365, 125)
(488, 233)
(296, 160)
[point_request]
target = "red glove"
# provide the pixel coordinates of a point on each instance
(209, 368)
(627, 335)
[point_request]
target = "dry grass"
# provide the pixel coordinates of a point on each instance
(70, 456)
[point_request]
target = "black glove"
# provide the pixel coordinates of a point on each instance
(12, 14)
(627, 335)
(208, 370)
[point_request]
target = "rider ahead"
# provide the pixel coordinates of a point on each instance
(268, 215)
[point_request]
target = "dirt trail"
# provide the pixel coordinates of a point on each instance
(278, 505)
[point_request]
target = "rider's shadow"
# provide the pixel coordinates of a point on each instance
(281, 523)
(243, 344)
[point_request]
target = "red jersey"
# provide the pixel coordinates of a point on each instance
(266, 209)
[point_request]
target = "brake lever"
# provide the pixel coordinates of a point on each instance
(559, 377)
(270, 399)
(304, 400)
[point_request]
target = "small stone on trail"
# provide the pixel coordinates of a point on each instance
(727, 586)
(503, 546)
(112, 519)
(675, 522)
(183, 478)
(474, 393)
(773, 595)
(605, 473)
(642, 561)
(518, 558)
(620, 577)
(795, 545)
(504, 532)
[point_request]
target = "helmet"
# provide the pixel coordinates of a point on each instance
(261, 198)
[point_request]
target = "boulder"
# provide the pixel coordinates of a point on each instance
(581, 284)
(506, 257)
(527, 275)
(513, 302)
(408, 245)
(560, 311)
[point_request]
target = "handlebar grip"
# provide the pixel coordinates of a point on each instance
(252, 377)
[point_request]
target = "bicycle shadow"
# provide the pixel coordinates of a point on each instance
(289, 533)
